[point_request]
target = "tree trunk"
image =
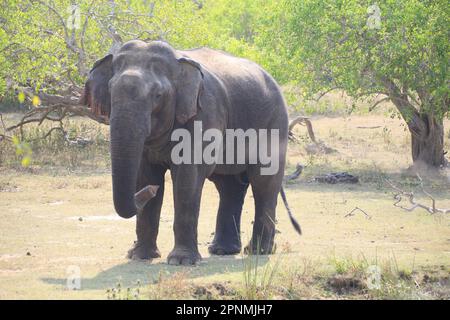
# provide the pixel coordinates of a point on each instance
(427, 144)
(427, 130)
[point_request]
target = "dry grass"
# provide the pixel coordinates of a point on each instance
(59, 213)
(54, 152)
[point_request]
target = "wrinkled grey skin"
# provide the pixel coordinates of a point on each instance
(150, 89)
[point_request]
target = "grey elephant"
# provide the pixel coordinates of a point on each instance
(148, 90)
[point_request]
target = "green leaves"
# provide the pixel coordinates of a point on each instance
(319, 44)
(21, 97)
(338, 44)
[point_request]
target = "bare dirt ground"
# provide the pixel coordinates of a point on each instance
(52, 219)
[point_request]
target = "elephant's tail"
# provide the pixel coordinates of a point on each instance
(291, 216)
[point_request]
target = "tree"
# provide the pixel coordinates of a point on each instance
(398, 50)
(47, 47)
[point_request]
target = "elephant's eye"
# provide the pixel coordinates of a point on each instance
(157, 92)
(157, 99)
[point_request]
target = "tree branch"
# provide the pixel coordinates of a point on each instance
(378, 102)
(302, 120)
(298, 171)
(351, 213)
(400, 194)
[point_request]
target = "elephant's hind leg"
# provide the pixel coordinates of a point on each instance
(227, 238)
(265, 193)
(147, 221)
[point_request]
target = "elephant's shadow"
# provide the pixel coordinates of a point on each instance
(130, 273)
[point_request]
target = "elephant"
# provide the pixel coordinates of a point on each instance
(147, 90)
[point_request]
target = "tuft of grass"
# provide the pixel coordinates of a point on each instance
(120, 293)
(258, 280)
(170, 287)
(349, 265)
(214, 291)
(298, 281)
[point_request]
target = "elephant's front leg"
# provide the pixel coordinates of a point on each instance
(188, 182)
(147, 220)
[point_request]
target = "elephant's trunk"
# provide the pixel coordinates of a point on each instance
(127, 142)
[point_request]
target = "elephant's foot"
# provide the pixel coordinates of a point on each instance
(222, 249)
(184, 256)
(266, 247)
(141, 251)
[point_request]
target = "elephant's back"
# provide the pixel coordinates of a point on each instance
(255, 97)
(230, 68)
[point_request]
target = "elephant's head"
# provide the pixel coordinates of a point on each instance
(143, 89)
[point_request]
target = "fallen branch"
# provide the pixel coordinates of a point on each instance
(298, 171)
(372, 127)
(337, 177)
(351, 213)
(56, 108)
(302, 121)
(39, 114)
(315, 147)
(59, 107)
(400, 194)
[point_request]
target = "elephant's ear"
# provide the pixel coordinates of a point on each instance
(96, 92)
(189, 86)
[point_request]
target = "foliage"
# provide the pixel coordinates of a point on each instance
(366, 49)
(48, 45)
(320, 44)
(395, 50)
